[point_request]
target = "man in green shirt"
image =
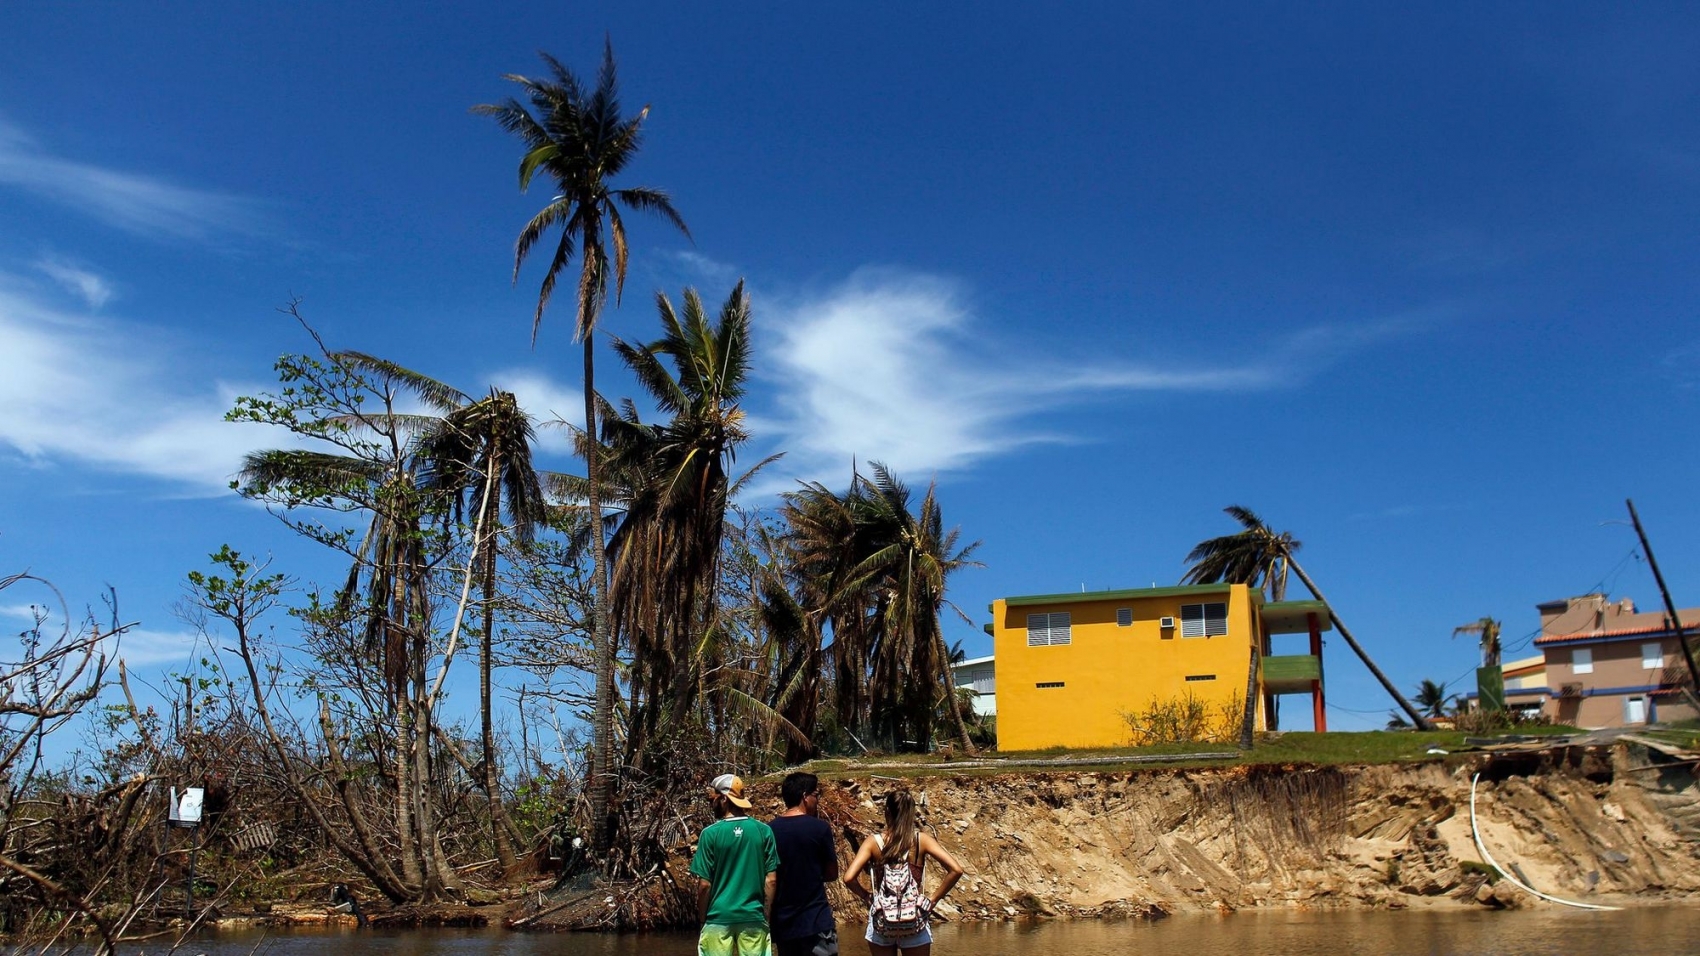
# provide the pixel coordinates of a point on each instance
(736, 862)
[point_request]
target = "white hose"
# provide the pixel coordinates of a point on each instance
(1482, 849)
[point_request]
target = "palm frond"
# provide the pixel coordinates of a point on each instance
(646, 199)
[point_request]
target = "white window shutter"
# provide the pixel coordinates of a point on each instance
(1038, 630)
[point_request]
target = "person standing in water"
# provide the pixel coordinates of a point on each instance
(902, 844)
(802, 918)
(735, 861)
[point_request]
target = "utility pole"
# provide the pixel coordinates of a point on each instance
(188, 706)
(1670, 607)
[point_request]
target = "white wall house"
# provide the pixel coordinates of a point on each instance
(979, 674)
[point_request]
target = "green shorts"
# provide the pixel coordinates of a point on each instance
(736, 939)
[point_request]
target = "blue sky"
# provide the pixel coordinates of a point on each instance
(1419, 287)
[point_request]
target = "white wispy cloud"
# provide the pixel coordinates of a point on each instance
(882, 367)
(137, 203)
(20, 612)
(696, 269)
(1402, 512)
(894, 366)
(88, 285)
(546, 400)
(85, 390)
(139, 647)
(145, 648)
(1679, 366)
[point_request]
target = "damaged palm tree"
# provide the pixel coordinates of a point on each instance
(874, 569)
(1490, 679)
(1259, 555)
(579, 140)
(367, 461)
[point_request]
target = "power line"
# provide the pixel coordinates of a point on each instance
(1600, 586)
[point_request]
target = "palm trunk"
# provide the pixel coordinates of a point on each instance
(602, 720)
(1417, 719)
(406, 729)
(955, 700)
(406, 832)
(486, 539)
(424, 816)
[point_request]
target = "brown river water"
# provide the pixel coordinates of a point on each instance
(1645, 931)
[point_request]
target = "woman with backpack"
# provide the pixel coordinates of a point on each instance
(898, 910)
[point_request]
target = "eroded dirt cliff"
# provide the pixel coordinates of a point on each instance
(1591, 824)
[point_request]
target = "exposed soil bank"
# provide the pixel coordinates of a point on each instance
(1605, 824)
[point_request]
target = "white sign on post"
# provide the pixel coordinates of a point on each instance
(186, 807)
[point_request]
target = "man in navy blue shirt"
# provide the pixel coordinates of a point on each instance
(802, 918)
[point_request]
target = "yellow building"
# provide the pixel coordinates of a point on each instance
(1073, 668)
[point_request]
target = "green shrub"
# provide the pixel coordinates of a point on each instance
(1185, 720)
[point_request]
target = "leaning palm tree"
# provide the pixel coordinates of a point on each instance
(1259, 554)
(1256, 556)
(579, 139)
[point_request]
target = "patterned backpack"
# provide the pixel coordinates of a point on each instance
(896, 908)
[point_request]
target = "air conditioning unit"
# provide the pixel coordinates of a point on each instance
(1570, 690)
(1166, 622)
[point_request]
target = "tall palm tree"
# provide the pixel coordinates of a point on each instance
(480, 457)
(579, 139)
(1259, 554)
(676, 486)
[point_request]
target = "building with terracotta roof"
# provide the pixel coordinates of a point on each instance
(1609, 665)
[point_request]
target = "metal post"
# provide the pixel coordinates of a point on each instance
(189, 888)
(1248, 725)
(1670, 608)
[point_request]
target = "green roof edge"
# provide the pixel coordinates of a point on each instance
(1312, 605)
(1136, 593)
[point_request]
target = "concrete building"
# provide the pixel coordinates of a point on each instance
(1609, 665)
(1526, 685)
(979, 674)
(1071, 667)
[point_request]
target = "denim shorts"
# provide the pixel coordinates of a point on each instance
(815, 944)
(922, 938)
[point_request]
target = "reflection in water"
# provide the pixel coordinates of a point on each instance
(1635, 932)
(1653, 931)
